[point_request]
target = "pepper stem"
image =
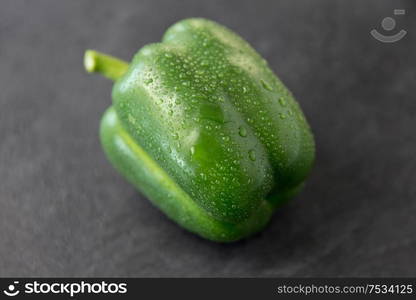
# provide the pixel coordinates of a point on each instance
(108, 66)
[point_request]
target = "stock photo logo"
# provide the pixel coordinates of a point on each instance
(12, 289)
(388, 24)
(70, 289)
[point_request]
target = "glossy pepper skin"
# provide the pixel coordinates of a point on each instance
(202, 126)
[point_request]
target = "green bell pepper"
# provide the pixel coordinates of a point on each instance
(202, 126)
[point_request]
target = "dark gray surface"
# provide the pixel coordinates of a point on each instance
(64, 211)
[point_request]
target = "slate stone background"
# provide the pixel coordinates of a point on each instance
(64, 211)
